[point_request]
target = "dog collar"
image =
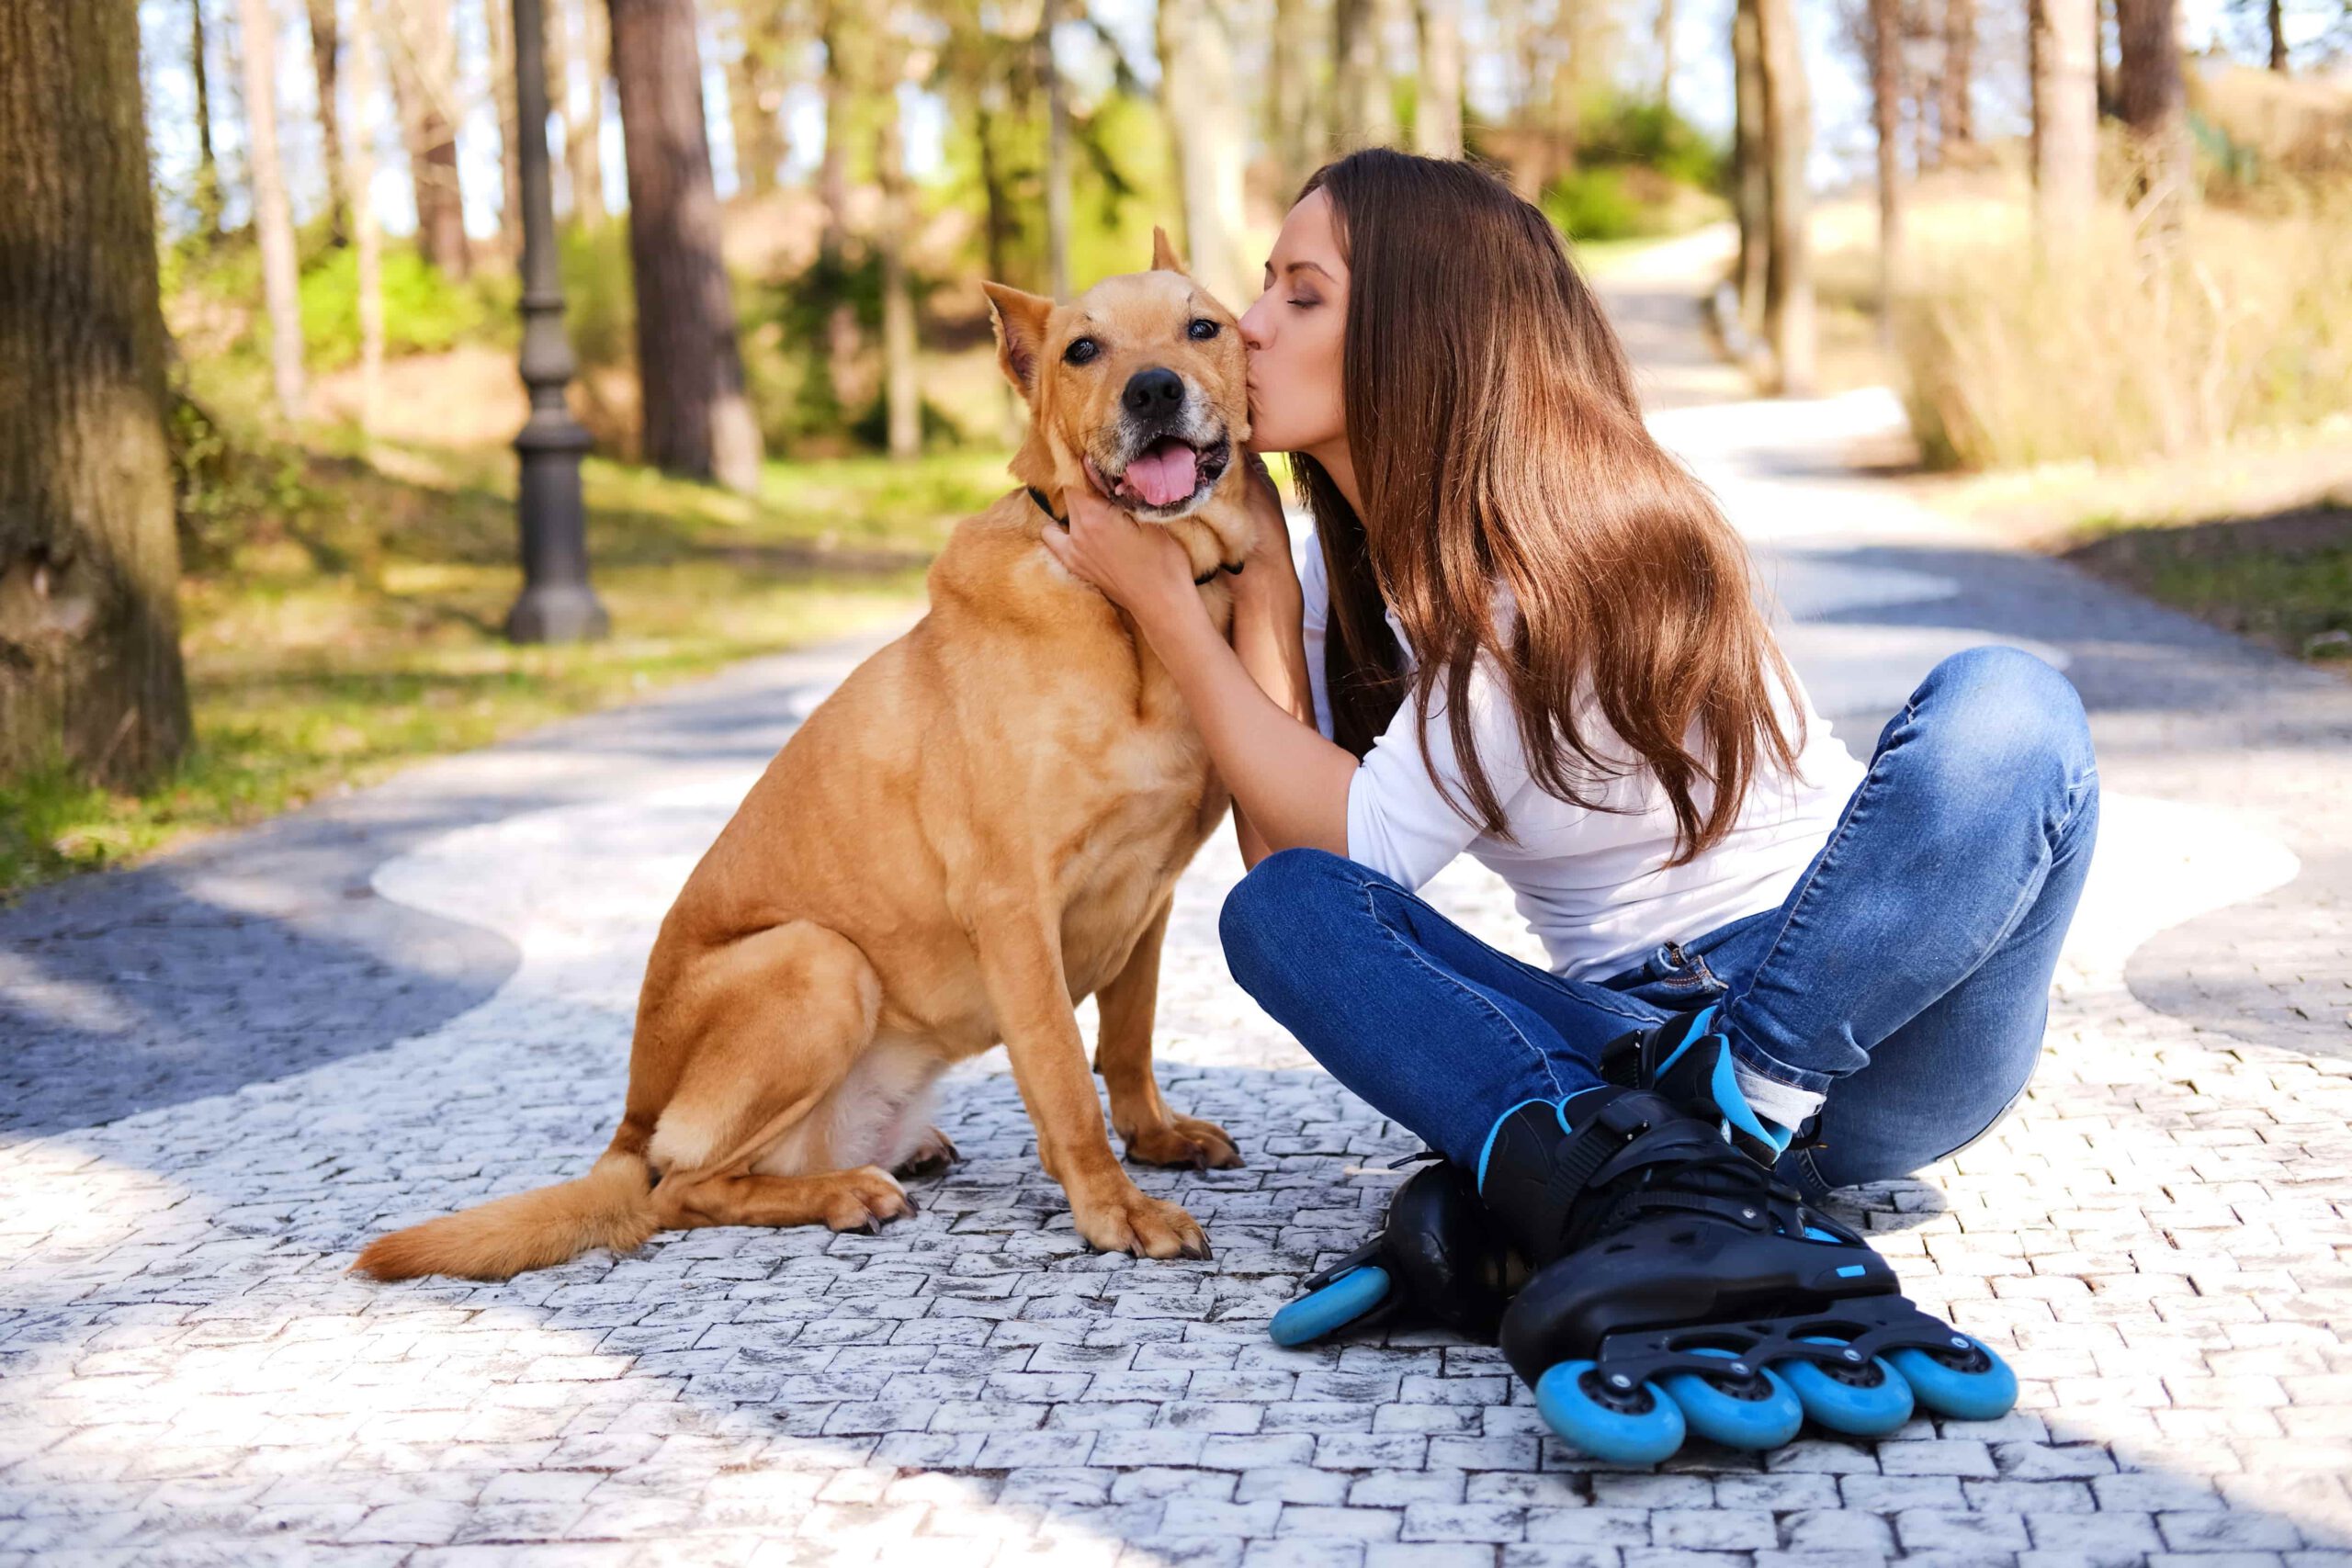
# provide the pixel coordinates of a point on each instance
(1234, 566)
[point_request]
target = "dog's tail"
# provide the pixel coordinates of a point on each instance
(611, 1206)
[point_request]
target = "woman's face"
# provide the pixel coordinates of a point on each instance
(1294, 332)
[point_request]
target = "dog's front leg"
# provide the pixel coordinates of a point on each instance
(1151, 1132)
(1021, 966)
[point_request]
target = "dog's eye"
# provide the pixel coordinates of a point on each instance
(1081, 351)
(1202, 328)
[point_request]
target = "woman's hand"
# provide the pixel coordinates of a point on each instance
(1138, 566)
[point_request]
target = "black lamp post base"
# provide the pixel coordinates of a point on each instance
(557, 613)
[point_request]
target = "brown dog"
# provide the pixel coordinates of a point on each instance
(982, 825)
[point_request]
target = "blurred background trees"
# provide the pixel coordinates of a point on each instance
(2062, 230)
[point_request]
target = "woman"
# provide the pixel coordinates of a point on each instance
(1525, 631)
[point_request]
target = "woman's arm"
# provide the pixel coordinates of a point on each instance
(1249, 698)
(1267, 609)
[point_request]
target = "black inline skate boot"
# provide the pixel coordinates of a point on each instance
(1439, 1258)
(1678, 1287)
(1687, 1059)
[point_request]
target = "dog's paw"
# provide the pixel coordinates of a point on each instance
(1147, 1226)
(1184, 1140)
(863, 1199)
(933, 1154)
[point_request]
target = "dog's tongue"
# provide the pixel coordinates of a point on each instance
(1165, 474)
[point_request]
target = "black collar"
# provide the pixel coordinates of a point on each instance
(1039, 496)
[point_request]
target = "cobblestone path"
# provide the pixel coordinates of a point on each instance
(228, 1071)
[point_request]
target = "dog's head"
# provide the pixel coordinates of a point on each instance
(1137, 386)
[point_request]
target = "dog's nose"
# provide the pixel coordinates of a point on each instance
(1155, 391)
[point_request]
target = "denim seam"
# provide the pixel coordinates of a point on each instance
(2074, 804)
(1541, 1057)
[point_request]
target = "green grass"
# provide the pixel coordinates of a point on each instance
(341, 619)
(2283, 579)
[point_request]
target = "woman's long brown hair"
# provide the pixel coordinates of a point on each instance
(1496, 437)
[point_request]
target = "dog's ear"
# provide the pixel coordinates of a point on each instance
(1020, 320)
(1163, 254)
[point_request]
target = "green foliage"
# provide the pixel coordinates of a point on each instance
(1593, 204)
(425, 312)
(599, 293)
(1120, 184)
(1640, 133)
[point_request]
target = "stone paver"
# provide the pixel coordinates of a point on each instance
(2158, 1239)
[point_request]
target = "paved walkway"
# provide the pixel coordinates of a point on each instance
(227, 1071)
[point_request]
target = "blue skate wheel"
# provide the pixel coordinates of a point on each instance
(1636, 1426)
(1760, 1412)
(1978, 1392)
(1332, 1308)
(1867, 1400)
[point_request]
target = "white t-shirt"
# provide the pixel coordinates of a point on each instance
(1593, 885)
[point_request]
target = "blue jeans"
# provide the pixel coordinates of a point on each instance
(1907, 974)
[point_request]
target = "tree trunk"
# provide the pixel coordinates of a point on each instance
(1955, 112)
(1885, 25)
(1359, 105)
(2151, 101)
(324, 43)
(697, 420)
(273, 219)
(1665, 37)
(2276, 13)
(1788, 262)
(1205, 126)
(902, 394)
(2066, 114)
(581, 38)
(1437, 108)
(208, 166)
(1057, 154)
(1752, 192)
(422, 49)
(90, 670)
(498, 28)
(755, 98)
(367, 234)
(842, 65)
(1295, 98)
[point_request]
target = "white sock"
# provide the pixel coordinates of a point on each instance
(1773, 1101)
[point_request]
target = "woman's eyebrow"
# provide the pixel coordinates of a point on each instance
(1294, 266)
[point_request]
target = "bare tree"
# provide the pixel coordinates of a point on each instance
(1751, 164)
(2064, 56)
(2151, 101)
(901, 391)
(324, 46)
(1788, 262)
(1362, 114)
(1955, 116)
(1049, 70)
(1294, 97)
(1664, 36)
(1205, 127)
(1883, 29)
(755, 83)
(498, 31)
(422, 45)
(1437, 110)
(273, 217)
(90, 672)
(846, 65)
(579, 38)
(697, 418)
(208, 166)
(362, 77)
(2275, 17)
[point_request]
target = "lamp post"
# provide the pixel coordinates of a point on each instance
(557, 603)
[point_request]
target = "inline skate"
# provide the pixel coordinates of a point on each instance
(1439, 1258)
(1677, 1288)
(1688, 1058)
